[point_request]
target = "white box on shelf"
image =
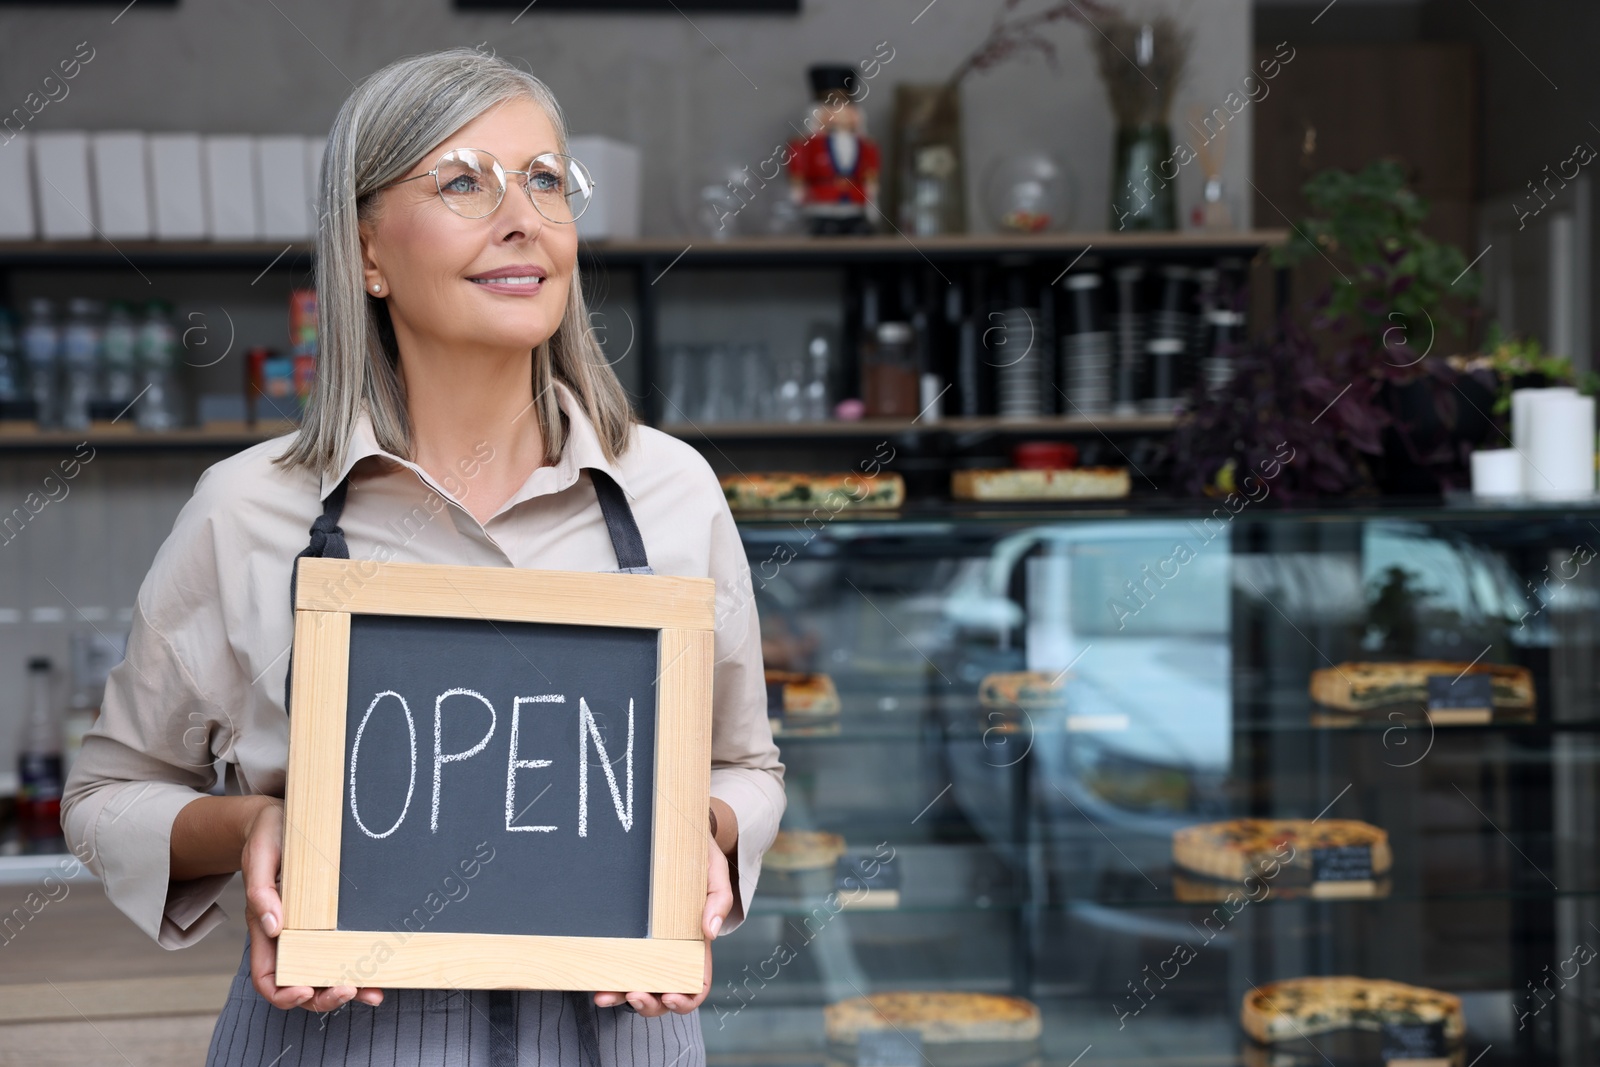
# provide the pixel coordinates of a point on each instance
(177, 186)
(281, 185)
(17, 219)
(231, 201)
(614, 165)
(61, 176)
(315, 146)
(121, 193)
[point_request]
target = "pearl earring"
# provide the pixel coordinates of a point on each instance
(375, 288)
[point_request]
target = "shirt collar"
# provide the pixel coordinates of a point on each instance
(581, 450)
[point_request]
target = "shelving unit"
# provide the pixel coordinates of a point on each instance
(642, 264)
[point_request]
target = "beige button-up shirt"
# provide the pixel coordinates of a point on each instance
(203, 680)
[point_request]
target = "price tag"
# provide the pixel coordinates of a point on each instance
(1096, 724)
(1342, 871)
(889, 1048)
(1415, 1045)
(858, 889)
(1460, 701)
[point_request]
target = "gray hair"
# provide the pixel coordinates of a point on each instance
(384, 129)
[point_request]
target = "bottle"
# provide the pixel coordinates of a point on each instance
(119, 348)
(891, 383)
(157, 346)
(80, 359)
(41, 347)
(819, 358)
(39, 754)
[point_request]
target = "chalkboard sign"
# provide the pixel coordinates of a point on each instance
(493, 779)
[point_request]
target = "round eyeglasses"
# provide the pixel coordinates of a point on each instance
(471, 182)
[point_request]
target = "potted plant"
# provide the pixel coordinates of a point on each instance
(1377, 409)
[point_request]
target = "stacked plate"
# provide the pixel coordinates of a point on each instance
(1018, 362)
(1086, 373)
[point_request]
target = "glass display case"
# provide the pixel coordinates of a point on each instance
(1055, 740)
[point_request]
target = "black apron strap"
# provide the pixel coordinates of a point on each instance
(624, 531)
(327, 542)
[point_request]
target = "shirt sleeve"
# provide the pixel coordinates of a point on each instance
(746, 772)
(152, 749)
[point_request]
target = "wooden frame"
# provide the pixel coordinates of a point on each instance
(311, 951)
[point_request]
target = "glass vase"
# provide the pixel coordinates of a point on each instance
(929, 181)
(1141, 199)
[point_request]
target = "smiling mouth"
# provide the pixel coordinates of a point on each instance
(518, 279)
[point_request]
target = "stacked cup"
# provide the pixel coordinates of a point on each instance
(1086, 350)
(1553, 431)
(1018, 365)
(1217, 367)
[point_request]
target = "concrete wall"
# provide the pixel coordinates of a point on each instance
(700, 97)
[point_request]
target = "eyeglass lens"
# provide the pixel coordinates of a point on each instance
(469, 183)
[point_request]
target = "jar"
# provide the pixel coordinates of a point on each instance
(889, 375)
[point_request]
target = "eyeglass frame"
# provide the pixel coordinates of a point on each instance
(500, 172)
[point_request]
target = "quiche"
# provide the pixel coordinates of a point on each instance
(798, 695)
(941, 1018)
(1235, 849)
(1078, 483)
(1365, 686)
(1029, 690)
(1293, 1010)
(805, 492)
(804, 850)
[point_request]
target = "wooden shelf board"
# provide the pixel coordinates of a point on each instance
(874, 427)
(20, 438)
(260, 255)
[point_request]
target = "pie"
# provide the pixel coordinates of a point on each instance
(1079, 483)
(1235, 849)
(804, 850)
(799, 695)
(1301, 1008)
(1030, 690)
(1365, 686)
(805, 492)
(941, 1018)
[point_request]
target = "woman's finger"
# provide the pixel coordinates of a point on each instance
(264, 911)
(719, 893)
(647, 1004)
(682, 1003)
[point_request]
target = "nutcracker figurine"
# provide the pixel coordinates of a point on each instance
(834, 172)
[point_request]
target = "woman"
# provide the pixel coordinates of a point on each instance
(462, 414)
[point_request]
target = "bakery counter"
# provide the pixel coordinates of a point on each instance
(1090, 732)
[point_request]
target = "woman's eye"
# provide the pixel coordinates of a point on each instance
(545, 181)
(463, 184)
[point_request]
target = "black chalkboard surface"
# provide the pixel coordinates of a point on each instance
(447, 829)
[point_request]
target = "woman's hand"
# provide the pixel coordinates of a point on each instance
(719, 902)
(261, 861)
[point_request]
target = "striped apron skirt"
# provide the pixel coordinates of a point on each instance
(449, 1028)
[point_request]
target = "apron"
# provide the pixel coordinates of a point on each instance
(327, 541)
